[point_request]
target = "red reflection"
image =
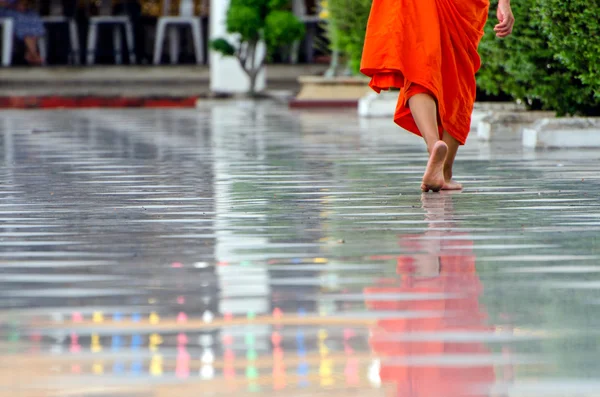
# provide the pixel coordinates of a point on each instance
(438, 290)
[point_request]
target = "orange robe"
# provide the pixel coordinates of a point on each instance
(427, 46)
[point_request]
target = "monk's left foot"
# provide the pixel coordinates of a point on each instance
(452, 185)
(33, 59)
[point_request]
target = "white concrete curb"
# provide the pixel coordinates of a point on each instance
(485, 114)
(507, 124)
(378, 105)
(571, 132)
(384, 105)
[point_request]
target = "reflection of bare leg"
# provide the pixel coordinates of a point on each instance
(438, 210)
(32, 54)
(428, 265)
(427, 250)
(509, 368)
(439, 215)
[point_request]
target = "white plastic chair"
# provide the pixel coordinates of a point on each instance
(8, 31)
(186, 18)
(57, 17)
(117, 22)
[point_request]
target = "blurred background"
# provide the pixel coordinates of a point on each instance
(149, 48)
(187, 49)
(51, 21)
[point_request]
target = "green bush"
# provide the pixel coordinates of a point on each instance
(251, 21)
(348, 24)
(529, 67)
(573, 30)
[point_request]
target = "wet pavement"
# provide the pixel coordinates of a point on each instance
(242, 249)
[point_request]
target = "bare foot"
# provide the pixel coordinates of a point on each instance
(33, 59)
(434, 174)
(452, 185)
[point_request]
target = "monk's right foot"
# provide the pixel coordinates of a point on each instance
(434, 174)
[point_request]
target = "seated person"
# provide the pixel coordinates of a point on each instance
(28, 27)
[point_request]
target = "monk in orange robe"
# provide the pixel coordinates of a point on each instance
(428, 50)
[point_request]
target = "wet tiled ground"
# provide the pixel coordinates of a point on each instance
(242, 249)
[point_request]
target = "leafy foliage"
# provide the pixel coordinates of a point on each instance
(246, 21)
(526, 66)
(279, 4)
(282, 28)
(223, 46)
(573, 30)
(348, 24)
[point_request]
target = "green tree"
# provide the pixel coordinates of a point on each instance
(253, 21)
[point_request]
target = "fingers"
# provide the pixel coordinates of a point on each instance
(503, 33)
(505, 24)
(505, 27)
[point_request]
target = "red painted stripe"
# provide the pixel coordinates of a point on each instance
(324, 103)
(54, 102)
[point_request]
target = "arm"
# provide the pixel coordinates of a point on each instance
(506, 19)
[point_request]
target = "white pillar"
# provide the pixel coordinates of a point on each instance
(226, 74)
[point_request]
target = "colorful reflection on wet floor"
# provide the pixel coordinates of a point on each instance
(243, 249)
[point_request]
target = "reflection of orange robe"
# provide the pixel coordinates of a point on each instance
(459, 314)
(427, 46)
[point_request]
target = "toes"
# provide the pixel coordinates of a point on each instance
(426, 188)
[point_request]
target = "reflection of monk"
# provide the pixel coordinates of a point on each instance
(442, 284)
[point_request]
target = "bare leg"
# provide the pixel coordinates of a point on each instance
(453, 146)
(32, 54)
(424, 111)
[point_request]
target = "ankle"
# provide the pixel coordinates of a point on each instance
(448, 173)
(430, 148)
(431, 145)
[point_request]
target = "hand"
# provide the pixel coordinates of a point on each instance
(506, 19)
